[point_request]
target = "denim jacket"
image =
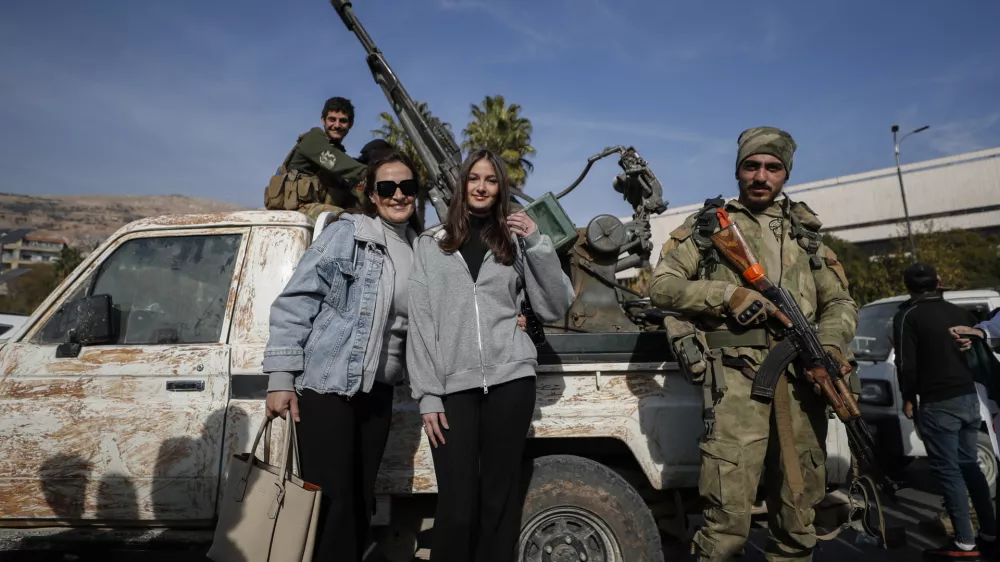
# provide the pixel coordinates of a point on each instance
(321, 322)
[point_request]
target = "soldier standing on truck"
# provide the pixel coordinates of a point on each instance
(720, 342)
(318, 175)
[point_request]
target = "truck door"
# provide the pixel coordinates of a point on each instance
(129, 429)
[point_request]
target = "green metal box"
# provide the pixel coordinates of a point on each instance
(552, 220)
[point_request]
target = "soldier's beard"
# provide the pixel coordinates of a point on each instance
(758, 196)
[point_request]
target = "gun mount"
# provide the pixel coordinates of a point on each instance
(593, 254)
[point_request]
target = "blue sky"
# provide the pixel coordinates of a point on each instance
(205, 98)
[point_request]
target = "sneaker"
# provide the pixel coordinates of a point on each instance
(952, 551)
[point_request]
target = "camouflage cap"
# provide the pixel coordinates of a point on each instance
(766, 140)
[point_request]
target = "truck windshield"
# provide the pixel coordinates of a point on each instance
(872, 339)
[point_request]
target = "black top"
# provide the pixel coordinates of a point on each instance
(927, 359)
(474, 249)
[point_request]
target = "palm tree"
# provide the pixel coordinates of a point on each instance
(501, 128)
(392, 132)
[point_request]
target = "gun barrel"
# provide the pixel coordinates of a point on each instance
(346, 13)
(862, 446)
(439, 154)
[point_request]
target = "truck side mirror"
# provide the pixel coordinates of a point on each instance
(91, 324)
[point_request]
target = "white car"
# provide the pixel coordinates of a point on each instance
(9, 323)
(881, 401)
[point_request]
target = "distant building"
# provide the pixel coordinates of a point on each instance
(961, 191)
(20, 248)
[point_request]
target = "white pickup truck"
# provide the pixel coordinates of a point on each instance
(126, 393)
(881, 401)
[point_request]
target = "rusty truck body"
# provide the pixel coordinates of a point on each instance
(137, 429)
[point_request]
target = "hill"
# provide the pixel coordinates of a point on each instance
(85, 220)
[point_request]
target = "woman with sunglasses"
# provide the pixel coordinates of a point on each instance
(470, 365)
(337, 348)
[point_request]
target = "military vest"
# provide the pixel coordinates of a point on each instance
(290, 189)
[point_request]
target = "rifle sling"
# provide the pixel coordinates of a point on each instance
(786, 442)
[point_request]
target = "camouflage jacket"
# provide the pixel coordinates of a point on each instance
(821, 293)
(316, 154)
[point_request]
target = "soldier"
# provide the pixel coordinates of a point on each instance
(723, 355)
(318, 175)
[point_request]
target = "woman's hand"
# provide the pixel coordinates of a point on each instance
(521, 225)
(281, 401)
(432, 427)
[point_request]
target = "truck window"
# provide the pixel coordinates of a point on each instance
(167, 290)
(872, 339)
(981, 309)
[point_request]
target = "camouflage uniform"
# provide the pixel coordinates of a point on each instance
(741, 444)
(338, 173)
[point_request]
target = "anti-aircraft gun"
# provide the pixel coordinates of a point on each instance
(593, 255)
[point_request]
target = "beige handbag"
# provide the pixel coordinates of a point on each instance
(267, 514)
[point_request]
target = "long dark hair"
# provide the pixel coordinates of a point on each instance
(380, 159)
(496, 236)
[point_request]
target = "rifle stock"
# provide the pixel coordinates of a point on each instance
(731, 243)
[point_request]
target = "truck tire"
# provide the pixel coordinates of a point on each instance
(578, 509)
(987, 461)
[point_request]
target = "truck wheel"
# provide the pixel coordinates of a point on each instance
(987, 461)
(580, 510)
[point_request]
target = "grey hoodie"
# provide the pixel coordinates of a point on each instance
(464, 335)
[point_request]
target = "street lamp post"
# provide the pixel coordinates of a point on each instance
(902, 192)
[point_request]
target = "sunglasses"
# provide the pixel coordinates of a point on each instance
(388, 188)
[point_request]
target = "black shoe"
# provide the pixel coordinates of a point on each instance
(951, 551)
(988, 549)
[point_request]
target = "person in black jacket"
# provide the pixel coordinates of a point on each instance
(931, 367)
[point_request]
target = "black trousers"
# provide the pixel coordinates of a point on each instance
(478, 471)
(341, 442)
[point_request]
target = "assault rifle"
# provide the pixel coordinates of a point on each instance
(434, 144)
(797, 340)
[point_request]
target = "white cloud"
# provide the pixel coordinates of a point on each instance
(974, 68)
(628, 129)
(533, 43)
(965, 135)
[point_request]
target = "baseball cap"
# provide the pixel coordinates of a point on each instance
(920, 278)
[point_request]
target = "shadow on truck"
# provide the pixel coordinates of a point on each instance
(65, 478)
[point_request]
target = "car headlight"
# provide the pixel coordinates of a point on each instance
(875, 393)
